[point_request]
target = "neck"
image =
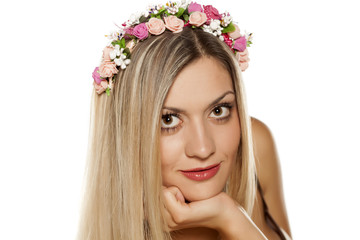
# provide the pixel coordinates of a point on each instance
(195, 234)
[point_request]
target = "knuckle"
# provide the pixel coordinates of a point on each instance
(172, 225)
(178, 218)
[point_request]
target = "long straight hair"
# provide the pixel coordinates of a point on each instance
(122, 191)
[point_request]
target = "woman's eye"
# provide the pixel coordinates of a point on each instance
(220, 112)
(169, 121)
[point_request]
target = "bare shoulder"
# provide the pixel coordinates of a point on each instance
(266, 157)
(269, 172)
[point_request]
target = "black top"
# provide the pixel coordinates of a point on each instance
(269, 220)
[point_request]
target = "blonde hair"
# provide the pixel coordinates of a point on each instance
(122, 195)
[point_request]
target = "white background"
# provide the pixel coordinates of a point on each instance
(302, 82)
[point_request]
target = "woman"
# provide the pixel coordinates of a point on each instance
(171, 152)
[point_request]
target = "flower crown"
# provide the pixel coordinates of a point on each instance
(172, 16)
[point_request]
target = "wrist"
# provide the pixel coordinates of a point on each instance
(232, 225)
(237, 225)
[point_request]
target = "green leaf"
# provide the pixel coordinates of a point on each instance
(126, 52)
(143, 19)
(186, 17)
(229, 28)
(186, 12)
(180, 12)
(117, 42)
(161, 11)
(107, 91)
(122, 43)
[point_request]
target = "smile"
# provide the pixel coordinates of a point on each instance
(201, 174)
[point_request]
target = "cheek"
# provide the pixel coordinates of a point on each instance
(228, 139)
(170, 152)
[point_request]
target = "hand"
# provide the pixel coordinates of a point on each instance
(204, 213)
(220, 212)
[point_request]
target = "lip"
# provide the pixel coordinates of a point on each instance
(201, 174)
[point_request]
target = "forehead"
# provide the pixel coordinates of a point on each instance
(200, 82)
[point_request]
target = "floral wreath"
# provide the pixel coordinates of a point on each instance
(172, 16)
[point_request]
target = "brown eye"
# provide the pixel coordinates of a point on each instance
(169, 121)
(220, 112)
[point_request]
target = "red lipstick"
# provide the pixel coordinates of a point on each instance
(201, 174)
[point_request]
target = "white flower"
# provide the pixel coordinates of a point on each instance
(134, 18)
(214, 28)
(145, 14)
(248, 36)
(221, 38)
(185, 3)
(127, 61)
(214, 24)
(226, 19)
(116, 52)
(121, 60)
(113, 36)
(182, 4)
(118, 61)
(173, 10)
(206, 28)
(154, 8)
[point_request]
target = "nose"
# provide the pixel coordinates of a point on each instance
(199, 141)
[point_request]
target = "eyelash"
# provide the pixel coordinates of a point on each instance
(219, 120)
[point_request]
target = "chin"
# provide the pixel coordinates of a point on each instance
(201, 191)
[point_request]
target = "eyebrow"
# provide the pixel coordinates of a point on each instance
(178, 110)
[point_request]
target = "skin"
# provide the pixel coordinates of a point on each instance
(269, 174)
(204, 133)
(200, 127)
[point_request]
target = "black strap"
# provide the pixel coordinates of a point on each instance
(270, 221)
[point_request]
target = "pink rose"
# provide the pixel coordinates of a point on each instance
(240, 44)
(141, 31)
(197, 18)
(174, 24)
(156, 26)
(107, 69)
(106, 53)
(128, 31)
(243, 59)
(227, 40)
(211, 13)
(235, 34)
(194, 7)
(100, 88)
(96, 75)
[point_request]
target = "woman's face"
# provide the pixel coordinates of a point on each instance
(200, 130)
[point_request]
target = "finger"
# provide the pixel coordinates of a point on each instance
(177, 193)
(171, 225)
(175, 204)
(180, 197)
